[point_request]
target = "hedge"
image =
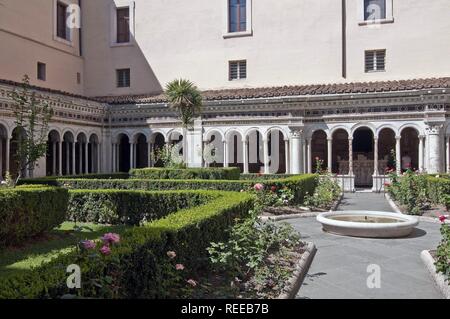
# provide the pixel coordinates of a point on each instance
(140, 258)
(53, 180)
(130, 207)
(264, 176)
(439, 190)
(187, 173)
(299, 184)
(29, 211)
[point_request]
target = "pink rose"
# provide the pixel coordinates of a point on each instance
(171, 254)
(258, 187)
(105, 250)
(179, 267)
(88, 244)
(192, 282)
(111, 238)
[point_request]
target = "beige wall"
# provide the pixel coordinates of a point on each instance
(293, 42)
(27, 37)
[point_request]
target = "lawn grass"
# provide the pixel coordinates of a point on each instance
(60, 241)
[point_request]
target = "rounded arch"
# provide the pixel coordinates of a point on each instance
(136, 135)
(68, 133)
(95, 136)
(251, 130)
(385, 127)
(233, 131)
(154, 133)
(172, 132)
(208, 134)
(412, 126)
(277, 128)
(317, 127)
(81, 134)
(333, 130)
(365, 125)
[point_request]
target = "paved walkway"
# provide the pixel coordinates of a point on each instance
(339, 270)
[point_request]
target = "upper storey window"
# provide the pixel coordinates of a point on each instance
(123, 25)
(238, 18)
(374, 10)
(237, 15)
(62, 30)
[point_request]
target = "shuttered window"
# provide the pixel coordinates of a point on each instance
(237, 70)
(375, 60)
(61, 17)
(123, 25)
(237, 15)
(123, 78)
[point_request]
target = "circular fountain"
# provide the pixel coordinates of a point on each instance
(368, 224)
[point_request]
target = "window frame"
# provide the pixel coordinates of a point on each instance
(118, 78)
(122, 4)
(362, 14)
(69, 31)
(239, 78)
(376, 70)
(39, 71)
(226, 21)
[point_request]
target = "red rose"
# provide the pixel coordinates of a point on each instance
(273, 189)
(442, 218)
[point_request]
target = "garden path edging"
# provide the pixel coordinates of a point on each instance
(439, 279)
(300, 271)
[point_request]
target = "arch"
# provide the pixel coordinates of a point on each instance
(358, 126)
(333, 130)
(136, 135)
(277, 151)
(319, 150)
(318, 127)
(155, 133)
(410, 125)
(53, 151)
(69, 133)
(232, 131)
(94, 154)
(386, 126)
(340, 150)
(118, 135)
(140, 149)
(409, 148)
(254, 129)
(81, 134)
(208, 134)
(278, 128)
(95, 135)
(3, 156)
(16, 135)
(172, 132)
(124, 152)
(158, 141)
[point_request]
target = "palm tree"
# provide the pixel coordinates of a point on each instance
(185, 97)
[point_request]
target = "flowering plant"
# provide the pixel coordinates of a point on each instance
(443, 250)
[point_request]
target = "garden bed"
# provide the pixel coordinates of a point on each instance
(429, 259)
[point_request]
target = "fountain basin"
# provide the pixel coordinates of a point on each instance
(368, 224)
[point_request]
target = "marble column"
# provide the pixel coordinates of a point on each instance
(434, 156)
(80, 158)
(86, 158)
(421, 146)
(7, 151)
(398, 155)
(375, 156)
(447, 154)
(54, 158)
(67, 158)
(245, 156)
(225, 154)
(296, 152)
(1, 159)
(131, 155)
(266, 156)
(330, 154)
(286, 155)
(149, 154)
(73, 159)
(60, 157)
(350, 156)
(99, 158)
(309, 156)
(114, 165)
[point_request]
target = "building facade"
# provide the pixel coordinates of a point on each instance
(360, 85)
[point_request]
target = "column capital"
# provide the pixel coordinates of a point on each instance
(398, 138)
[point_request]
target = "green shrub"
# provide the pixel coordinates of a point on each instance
(140, 257)
(443, 252)
(130, 207)
(232, 173)
(298, 184)
(325, 194)
(54, 180)
(264, 176)
(29, 211)
(438, 188)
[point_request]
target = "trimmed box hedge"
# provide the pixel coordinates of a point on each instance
(299, 184)
(187, 173)
(131, 207)
(28, 211)
(439, 190)
(54, 180)
(140, 257)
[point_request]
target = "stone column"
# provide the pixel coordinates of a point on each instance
(296, 149)
(398, 156)
(421, 145)
(303, 157)
(1, 159)
(86, 158)
(330, 154)
(132, 154)
(54, 159)
(99, 157)
(60, 158)
(113, 165)
(68, 158)
(286, 155)
(8, 144)
(266, 156)
(309, 156)
(434, 157)
(149, 154)
(73, 158)
(447, 154)
(375, 156)
(245, 155)
(350, 156)
(225, 153)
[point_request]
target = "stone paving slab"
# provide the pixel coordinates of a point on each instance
(339, 270)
